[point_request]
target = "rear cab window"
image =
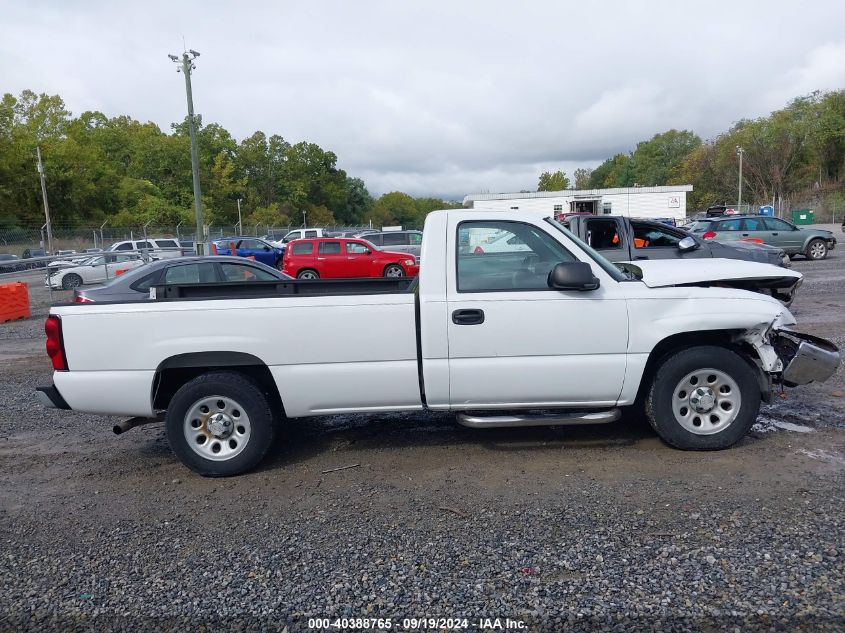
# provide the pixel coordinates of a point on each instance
(603, 233)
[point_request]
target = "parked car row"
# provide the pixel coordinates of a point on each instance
(809, 242)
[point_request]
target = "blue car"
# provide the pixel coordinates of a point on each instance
(255, 247)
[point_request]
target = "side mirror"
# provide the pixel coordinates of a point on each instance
(687, 244)
(267, 248)
(572, 276)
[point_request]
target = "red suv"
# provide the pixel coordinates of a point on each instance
(344, 258)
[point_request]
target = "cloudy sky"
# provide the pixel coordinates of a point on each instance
(433, 97)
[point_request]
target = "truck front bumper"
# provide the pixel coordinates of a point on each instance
(806, 358)
(50, 397)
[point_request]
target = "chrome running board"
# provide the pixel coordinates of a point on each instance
(538, 419)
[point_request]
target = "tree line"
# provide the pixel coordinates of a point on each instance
(796, 153)
(129, 173)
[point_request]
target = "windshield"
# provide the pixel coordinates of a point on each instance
(605, 264)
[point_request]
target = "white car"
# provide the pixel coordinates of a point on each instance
(159, 247)
(95, 270)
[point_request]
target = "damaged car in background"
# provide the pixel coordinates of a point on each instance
(544, 331)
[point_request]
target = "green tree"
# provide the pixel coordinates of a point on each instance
(394, 208)
(556, 181)
(582, 177)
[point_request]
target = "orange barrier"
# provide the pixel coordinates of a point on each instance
(14, 301)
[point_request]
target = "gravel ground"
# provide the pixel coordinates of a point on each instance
(599, 528)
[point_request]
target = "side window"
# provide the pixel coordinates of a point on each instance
(727, 225)
(190, 274)
(242, 272)
(125, 246)
(145, 283)
(328, 248)
(249, 245)
(395, 239)
(774, 224)
(311, 234)
(373, 238)
(143, 245)
(603, 234)
(753, 224)
(302, 248)
(415, 239)
(651, 236)
(356, 248)
(167, 244)
(521, 258)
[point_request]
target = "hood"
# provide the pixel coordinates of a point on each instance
(660, 273)
(749, 251)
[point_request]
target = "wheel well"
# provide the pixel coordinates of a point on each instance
(174, 372)
(684, 340)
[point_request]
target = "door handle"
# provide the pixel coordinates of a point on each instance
(745, 235)
(774, 233)
(468, 317)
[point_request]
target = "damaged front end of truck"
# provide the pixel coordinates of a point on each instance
(791, 358)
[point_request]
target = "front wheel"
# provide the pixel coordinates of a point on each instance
(308, 274)
(703, 398)
(220, 424)
(816, 249)
(394, 270)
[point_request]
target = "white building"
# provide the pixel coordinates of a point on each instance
(640, 202)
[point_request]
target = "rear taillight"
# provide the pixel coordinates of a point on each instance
(709, 235)
(81, 299)
(55, 344)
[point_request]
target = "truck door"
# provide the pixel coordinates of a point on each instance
(607, 237)
(513, 341)
(653, 240)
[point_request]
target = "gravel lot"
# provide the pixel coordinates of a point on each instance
(599, 528)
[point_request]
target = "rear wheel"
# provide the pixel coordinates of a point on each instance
(394, 270)
(71, 281)
(816, 249)
(703, 398)
(308, 274)
(220, 424)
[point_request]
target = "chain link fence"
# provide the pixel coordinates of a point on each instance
(17, 240)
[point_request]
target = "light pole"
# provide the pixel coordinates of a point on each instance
(240, 222)
(739, 152)
(102, 243)
(304, 225)
(187, 65)
(46, 206)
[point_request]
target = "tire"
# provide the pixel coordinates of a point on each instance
(307, 274)
(816, 249)
(244, 429)
(394, 270)
(688, 417)
(71, 281)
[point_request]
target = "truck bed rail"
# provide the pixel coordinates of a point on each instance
(269, 289)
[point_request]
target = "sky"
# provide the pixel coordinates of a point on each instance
(432, 97)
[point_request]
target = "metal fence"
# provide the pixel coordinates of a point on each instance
(17, 240)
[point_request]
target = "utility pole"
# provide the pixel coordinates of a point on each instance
(739, 152)
(46, 205)
(240, 222)
(102, 243)
(187, 65)
(304, 225)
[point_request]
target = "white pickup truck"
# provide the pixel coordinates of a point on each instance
(547, 334)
